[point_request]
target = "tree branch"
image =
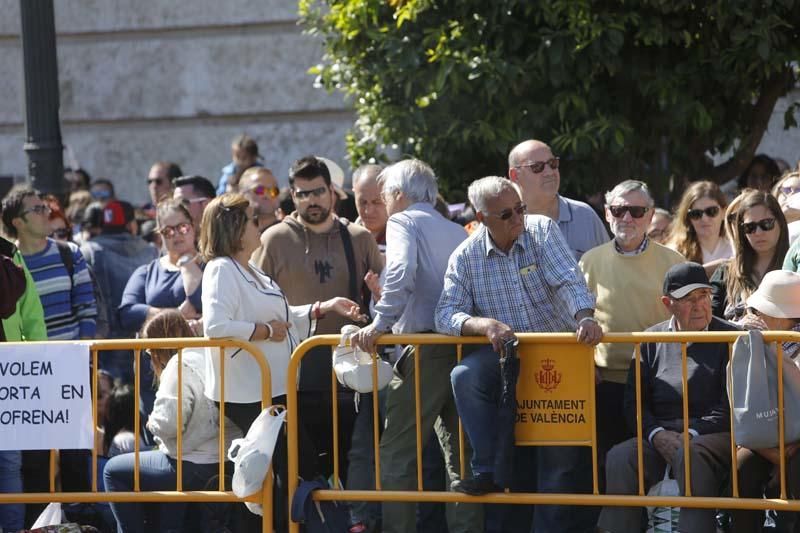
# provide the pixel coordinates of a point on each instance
(772, 89)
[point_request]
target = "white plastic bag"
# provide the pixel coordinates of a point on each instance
(353, 367)
(664, 519)
(51, 516)
(252, 455)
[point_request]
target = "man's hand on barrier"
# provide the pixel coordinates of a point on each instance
(667, 443)
(365, 338)
(589, 332)
(498, 334)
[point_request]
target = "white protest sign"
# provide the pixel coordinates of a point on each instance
(45, 399)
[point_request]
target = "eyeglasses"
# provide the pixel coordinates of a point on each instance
(305, 195)
(169, 231)
(505, 214)
(697, 214)
(766, 224)
(538, 166)
(155, 181)
(636, 211)
(262, 190)
(788, 191)
(38, 209)
(61, 233)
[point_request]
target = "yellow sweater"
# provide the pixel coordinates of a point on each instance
(628, 290)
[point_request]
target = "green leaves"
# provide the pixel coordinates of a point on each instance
(617, 87)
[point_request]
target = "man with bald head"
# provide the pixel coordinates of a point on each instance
(260, 187)
(534, 168)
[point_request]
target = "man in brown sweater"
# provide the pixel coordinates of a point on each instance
(314, 255)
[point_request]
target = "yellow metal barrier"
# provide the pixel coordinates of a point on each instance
(527, 341)
(263, 497)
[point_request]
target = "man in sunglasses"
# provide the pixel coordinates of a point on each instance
(514, 274)
(194, 192)
(314, 255)
(534, 168)
(626, 274)
(260, 187)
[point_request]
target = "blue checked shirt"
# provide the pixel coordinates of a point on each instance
(536, 287)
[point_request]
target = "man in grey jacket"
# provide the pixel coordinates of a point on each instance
(687, 295)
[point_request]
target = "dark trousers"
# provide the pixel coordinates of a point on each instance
(611, 425)
(756, 474)
(75, 475)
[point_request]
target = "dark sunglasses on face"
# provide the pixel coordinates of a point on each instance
(766, 224)
(169, 231)
(272, 192)
(505, 214)
(697, 214)
(305, 195)
(636, 211)
(538, 166)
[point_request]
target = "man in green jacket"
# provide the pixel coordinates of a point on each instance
(22, 320)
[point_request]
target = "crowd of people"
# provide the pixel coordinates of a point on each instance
(249, 260)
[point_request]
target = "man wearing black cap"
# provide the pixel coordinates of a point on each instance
(687, 296)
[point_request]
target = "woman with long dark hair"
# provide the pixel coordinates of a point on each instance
(760, 241)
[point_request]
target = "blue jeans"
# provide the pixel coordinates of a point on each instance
(157, 472)
(12, 515)
(476, 389)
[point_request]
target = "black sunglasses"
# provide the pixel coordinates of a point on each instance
(766, 224)
(697, 214)
(636, 211)
(538, 166)
(505, 214)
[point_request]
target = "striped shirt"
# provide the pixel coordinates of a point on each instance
(535, 287)
(69, 306)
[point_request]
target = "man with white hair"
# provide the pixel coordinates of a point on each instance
(514, 274)
(419, 243)
(534, 168)
(626, 275)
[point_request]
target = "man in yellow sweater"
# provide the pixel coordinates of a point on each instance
(626, 275)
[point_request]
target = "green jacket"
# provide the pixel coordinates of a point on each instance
(27, 324)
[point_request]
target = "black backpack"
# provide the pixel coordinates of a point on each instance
(318, 517)
(66, 257)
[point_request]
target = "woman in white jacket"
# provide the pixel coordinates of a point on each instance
(200, 435)
(241, 301)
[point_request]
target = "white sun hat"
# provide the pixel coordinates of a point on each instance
(778, 295)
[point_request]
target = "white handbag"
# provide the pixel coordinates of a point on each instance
(663, 519)
(252, 455)
(353, 367)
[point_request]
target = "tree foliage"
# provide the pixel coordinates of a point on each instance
(619, 88)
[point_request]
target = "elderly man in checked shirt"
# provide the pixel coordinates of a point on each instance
(514, 274)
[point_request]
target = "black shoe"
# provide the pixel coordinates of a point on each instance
(476, 486)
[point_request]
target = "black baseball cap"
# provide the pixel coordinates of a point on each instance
(683, 278)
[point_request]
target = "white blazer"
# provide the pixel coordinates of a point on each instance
(233, 302)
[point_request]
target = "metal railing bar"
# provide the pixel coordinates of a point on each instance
(687, 471)
(418, 413)
(637, 355)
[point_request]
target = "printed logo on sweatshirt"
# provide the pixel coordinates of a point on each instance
(323, 269)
